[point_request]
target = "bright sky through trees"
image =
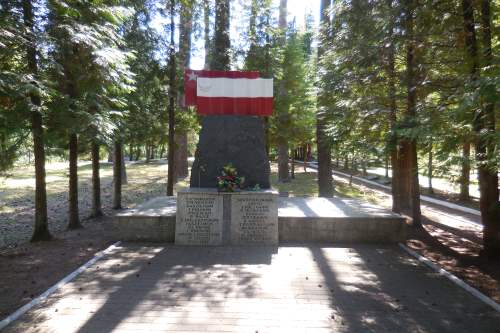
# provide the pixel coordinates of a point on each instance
(296, 9)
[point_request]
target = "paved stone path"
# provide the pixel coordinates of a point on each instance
(287, 289)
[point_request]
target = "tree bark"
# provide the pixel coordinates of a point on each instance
(411, 100)
(74, 220)
(324, 148)
(117, 175)
(484, 118)
(171, 106)
(293, 166)
(206, 32)
(220, 58)
(465, 172)
(181, 155)
(181, 135)
(96, 181)
(110, 154)
(394, 146)
(283, 156)
(430, 169)
(386, 166)
(41, 229)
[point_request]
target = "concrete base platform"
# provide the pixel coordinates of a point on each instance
(323, 220)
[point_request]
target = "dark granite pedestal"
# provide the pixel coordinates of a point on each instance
(239, 140)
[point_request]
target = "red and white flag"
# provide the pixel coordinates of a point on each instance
(228, 93)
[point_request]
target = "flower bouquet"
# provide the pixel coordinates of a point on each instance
(229, 180)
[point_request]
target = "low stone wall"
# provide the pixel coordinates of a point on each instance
(155, 221)
(341, 230)
(146, 229)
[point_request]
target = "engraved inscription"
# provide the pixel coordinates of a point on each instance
(255, 219)
(199, 220)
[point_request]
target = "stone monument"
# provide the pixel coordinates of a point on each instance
(232, 105)
(239, 140)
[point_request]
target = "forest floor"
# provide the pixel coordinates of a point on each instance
(29, 269)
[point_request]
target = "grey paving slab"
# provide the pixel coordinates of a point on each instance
(368, 288)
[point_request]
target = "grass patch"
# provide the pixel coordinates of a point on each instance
(304, 184)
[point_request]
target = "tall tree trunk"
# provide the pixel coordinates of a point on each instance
(293, 165)
(117, 175)
(484, 121)
(394, 146)
(206, 32)
(411, 100)
(490, 99)
(41, 229)
(123, 168)
(324, 148)
(465, 172)
(430, 169)
(110, 154)
(96, 181)
(283, 157)
(220, 58)
(171, 106)
(181, 155)
(386, 166)
(181, 135)
(74, 220)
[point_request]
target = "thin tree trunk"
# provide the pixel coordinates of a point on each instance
(394, 146)
(96, 181)
(305, 162)
(411, 101)
(293, 165)
(386, 166)
(430, 169)
(465, 172)
(283, 156)
(324, 148)
(110, 154)
(181, 135)
(181, 155)
(41, 229)
(74, 220)
(117, 175)
(148, 153)
(171, 106)
(206, 32)
(283, 171)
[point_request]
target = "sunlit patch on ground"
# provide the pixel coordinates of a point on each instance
(258, 289)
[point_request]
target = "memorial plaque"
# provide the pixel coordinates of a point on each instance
(254, 218)
(199, 219)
